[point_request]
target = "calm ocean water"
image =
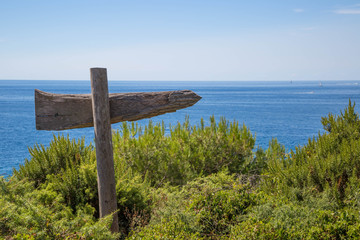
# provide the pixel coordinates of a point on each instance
(290, 112)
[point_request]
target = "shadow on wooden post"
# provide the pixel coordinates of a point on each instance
(103, 143)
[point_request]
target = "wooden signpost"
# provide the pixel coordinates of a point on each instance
(99, 109)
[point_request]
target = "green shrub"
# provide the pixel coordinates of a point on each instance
(173, 228)
(30, 213)
(64, 174)
(59, 156)
(204, 208)
(76, 184)
(187, 152)
(197, 182)
(313, 191)
(280, 220)
(218, 202)
(329, 162)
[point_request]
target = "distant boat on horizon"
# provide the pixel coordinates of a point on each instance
(320, 84)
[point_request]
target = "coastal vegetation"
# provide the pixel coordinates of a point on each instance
(209, 181)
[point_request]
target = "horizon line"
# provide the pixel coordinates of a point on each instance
(139, 80)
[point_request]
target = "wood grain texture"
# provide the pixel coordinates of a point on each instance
(68, 111)
(103, 143)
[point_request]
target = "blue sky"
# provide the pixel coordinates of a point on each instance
(181, 39)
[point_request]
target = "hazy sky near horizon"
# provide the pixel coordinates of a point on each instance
(181, 39)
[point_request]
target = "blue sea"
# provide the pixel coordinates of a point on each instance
(288, 111)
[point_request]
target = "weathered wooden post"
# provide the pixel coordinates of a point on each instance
(99, 109)
(103, 143)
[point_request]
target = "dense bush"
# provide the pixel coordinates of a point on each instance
(206, 207)
(62, 154)
(30, 213)
(309, 193)
(187, 152)
(330, 163)
(61, 179)
(279, 218)
(313, 191)
(195, 182)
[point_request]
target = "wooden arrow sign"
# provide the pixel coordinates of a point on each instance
(100, 109)
(68, 111)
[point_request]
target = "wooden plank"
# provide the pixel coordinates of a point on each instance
(103, 142)
(68, 111)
